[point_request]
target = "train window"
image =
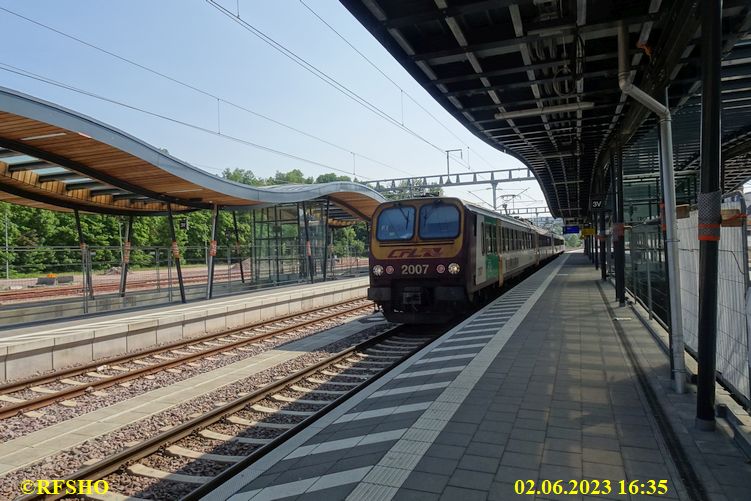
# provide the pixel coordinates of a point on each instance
(439, 221)
(396, 223)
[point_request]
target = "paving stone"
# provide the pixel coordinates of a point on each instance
(524, 446)
(452, 493)
(479, 463)
(519, 460)
(411, 495)
(428, 482)
(438, 465)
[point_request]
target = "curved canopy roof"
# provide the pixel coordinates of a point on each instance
(537, 79)
(55, 158)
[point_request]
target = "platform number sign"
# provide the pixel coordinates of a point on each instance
(184, 223)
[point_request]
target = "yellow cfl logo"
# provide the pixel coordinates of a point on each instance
(70, 487)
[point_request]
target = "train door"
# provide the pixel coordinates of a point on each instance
(499, 251)
(480, 246)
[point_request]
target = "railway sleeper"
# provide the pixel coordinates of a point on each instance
(396, 354)
(283, 412)
(42, 389)
(301, 389)
(159, 356)
(337, 374)
(176, 450)
(323, 381)
(147, 471)
(11, 400)
(72, 382)
(98, 375)
(368, 362)
(292, 400)
(213, 435)
(390, 352)
(261, 424)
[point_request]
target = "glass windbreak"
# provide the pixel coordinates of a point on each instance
(439, 221)
(396, 223)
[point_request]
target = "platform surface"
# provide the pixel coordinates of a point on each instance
(538, 385)
(62, 327)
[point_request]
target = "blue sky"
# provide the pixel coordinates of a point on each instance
(194, 42)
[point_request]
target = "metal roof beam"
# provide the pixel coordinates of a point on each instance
(62, 176)
(9, 153)
(600, 30)
(86, 185)
(31, 165)
(451, 11)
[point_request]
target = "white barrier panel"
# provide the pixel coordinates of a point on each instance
(733, 336)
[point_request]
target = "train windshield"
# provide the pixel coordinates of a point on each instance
(439, 221)
(396, 223)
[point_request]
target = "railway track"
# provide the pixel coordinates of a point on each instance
(63, 386)
(191, 458)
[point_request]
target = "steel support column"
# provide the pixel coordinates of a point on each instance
(126, 256)
(237, 245)
(212, 252)
(175, 252)
(667, 178)
(619, 244)
(598, 246)
(326, 238)
(603, 247)
(308, 250)
(709, 201)
(88, 287)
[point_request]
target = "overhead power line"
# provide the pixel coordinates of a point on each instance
(318, 73)
(28, 74)
(197, 89)
(401, 89)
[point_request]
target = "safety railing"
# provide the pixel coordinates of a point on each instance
(646, 269)
(43, 283)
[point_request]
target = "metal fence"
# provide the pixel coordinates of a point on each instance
(646, 278)
(44, 283)
(646, 269)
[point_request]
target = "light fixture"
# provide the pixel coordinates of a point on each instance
(545, 110)
(378, 270)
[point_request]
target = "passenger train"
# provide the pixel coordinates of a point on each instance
(433, 258)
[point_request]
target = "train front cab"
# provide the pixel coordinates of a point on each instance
(417, 260)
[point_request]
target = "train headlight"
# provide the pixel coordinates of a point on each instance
(378, 270)
(454, 268)
(440, 268)
(389, 270)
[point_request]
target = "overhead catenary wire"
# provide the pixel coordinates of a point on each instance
(387, 77)
(28, 74)
(197, 89)
(318, 73)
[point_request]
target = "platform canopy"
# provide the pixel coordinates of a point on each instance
(55, 158)
(538, 79)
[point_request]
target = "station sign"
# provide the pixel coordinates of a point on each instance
(570, 229)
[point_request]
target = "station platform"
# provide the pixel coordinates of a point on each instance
(549, 381)
(54, 345)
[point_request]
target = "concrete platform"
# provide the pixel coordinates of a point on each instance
(544, 383)
(26, 351)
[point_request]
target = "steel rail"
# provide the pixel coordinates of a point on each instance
(139, 451)
(75, 391)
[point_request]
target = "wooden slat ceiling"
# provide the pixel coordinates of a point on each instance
(54, 158)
